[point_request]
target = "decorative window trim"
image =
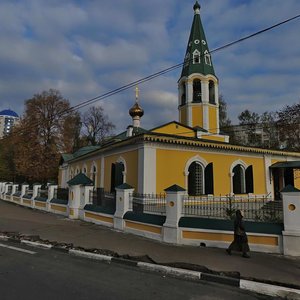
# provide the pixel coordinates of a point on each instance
(77, 170)
(193, 159)
(244, 167)
(207, 58)
(93, 173)
(196, 54)
(238, 162)
(84, 169)
(71, 175)
(122, 160)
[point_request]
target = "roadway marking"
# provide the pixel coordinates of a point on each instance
(17, 249)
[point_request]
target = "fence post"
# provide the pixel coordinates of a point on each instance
(2, 185)
(51, 189)
(85, 200)
(35, 189)
(7, 186)
(14, 188)
(122, 204)
(23, 189)
(174, 200)
(291, 219)
(77, 194)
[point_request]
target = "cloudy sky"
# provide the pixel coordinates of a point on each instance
(85, 48)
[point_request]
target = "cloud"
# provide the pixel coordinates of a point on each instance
(88, 48)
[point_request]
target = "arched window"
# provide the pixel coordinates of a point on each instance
(183, 94)
(209, 179)
(196, 57)
(197, 91)
(207, 58)
(77, 170)
(249, 180)
(200, 179)
(195, 179)
(117, 177)
(242, 180)
(238, 180)
(71, 173)
(211, 89)
(93, 174)
(84, 170)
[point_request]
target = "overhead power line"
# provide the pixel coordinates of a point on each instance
(162, 72)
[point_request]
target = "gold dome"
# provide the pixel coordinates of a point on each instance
(136, 110)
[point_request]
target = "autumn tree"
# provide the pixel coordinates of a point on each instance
(7, 166)
(47, 129)
(96, 125)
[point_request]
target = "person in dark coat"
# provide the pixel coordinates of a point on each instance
(240, 241)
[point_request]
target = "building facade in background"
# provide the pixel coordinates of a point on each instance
(8, 119)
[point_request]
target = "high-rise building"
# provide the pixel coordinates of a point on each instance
(8, 119)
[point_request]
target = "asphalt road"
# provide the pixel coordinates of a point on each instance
(32, 273)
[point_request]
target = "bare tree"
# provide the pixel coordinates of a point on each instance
(96, 125)
(288, 125)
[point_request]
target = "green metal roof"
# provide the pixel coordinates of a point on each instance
(197, 42)
(84, 150)
(80, 179)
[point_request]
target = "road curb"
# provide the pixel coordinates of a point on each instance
(36, 244)
(249, 285)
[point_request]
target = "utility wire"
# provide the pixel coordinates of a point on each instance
(160, 73)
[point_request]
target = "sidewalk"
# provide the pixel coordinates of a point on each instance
(262, 267)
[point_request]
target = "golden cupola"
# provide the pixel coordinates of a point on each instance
(136, 111)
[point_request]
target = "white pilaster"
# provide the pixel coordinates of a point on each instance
(76, 192)
(189, 100)
(147, 169)
(174, 200)
(206, 116)
(51, 189)
(268, 177)
(102, 172)
(122, 205)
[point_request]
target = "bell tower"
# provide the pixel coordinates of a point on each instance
(198, 95)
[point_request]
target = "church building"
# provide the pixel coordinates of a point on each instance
(190, 152)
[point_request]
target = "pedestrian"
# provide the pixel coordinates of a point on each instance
(240, 241)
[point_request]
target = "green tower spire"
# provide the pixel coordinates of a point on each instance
(197, 56)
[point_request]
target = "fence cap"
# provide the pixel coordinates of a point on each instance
(80, 179)
(175, 188)
(289, 189)
(124, 186)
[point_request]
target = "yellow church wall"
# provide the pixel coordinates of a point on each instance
(212, 110)
(131, 158)
(175, 129)
(171, 166)
(197, 112)
(213, 138)
(182, 115)
(60, 176)
(297, 178)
